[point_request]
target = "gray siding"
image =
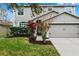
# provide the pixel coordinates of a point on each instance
(64, 18)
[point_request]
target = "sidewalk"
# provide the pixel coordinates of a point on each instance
(66, 46)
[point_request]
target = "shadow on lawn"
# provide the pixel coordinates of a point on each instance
(40, 42)
(34, 41)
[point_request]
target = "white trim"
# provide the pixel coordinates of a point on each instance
(67, 23)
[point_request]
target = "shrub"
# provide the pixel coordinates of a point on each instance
(18, 31)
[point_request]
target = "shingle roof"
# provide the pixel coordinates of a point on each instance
(5, 23)
(44, 14)
(64, 13)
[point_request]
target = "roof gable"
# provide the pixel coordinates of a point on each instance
(64, 13)
(44, 14)
(67, 14)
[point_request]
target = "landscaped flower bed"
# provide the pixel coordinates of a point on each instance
(39, 27)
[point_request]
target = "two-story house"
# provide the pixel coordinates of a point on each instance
(24, 13)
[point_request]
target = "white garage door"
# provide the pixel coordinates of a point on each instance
(64, 31)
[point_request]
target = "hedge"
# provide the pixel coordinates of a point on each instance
(19, 31)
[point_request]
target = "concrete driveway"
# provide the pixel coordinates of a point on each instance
(66, 46)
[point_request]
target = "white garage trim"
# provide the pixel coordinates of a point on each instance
(64, 23)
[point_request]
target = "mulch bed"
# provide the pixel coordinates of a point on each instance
(41, 42)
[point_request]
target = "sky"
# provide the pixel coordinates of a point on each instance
(10, 14)
(77, 9)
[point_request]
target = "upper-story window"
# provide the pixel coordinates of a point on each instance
(44, 10)
(20, 11)
(68, 9)
(49, 9)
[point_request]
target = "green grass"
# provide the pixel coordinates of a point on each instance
(20, 46)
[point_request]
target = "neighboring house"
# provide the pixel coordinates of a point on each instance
(4, 24)
(24, 13)
(64, 25)
(4, 27)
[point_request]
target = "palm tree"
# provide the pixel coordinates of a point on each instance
(45, 28)
(42, 29)
(35, 8)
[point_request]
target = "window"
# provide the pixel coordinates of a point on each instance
(20, 11)
(68, 9)
(49, 9)
(44, 9)
(23, 24)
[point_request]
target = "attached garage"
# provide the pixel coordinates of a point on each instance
(64, 25)
(64, 31)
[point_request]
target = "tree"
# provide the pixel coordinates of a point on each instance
(31, 28)
(35, 8)
(45, 27)
(42, 27)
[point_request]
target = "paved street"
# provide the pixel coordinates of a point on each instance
(66, 46)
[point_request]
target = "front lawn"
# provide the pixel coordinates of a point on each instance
(21, 47)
